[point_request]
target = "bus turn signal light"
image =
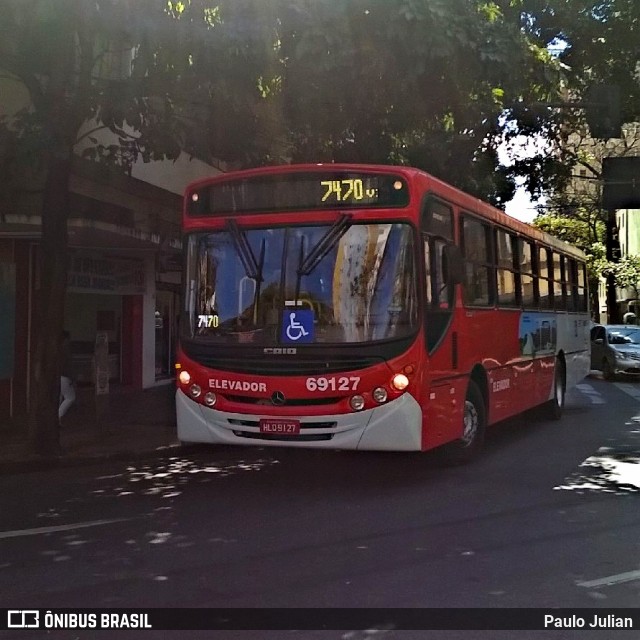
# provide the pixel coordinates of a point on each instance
(399, 382)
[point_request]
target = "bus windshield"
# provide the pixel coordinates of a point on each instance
(331, 284)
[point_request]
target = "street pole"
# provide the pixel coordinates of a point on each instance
(613, 255)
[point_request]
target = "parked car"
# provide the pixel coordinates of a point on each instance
(615, 350)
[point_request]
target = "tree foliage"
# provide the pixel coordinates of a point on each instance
(418, 82)
(598, 42)
(156, 76)
(627, 274)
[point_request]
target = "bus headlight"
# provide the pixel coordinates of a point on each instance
(357, 403)
(195, 390)
(380, 395)
(184, 377)
(210, 398)
(399, 382)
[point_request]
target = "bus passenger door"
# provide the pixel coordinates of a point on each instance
(442, 407)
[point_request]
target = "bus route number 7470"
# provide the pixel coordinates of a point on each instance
(343, 383)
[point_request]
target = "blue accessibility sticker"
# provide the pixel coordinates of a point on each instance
(297, 325)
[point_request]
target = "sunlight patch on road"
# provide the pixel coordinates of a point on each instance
(159, 538)
(608, 471)
(594, 396)
(166, 478)
(619, 578)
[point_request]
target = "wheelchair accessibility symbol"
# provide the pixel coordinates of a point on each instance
(297, 326)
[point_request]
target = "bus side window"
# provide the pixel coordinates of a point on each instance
(528, 289)
(507, 281)
(583, 303)
(559, 287)
(574, 298)
(437, 227)
(478, 285)
(437, 289)
(544, 283)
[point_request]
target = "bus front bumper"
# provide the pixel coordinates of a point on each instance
(395, 426)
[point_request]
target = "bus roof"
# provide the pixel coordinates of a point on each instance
(441, 188)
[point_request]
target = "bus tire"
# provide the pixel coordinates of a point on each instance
(555, 406)
(474, 424)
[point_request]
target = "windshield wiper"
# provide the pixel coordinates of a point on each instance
(325, 244)
(307, 264)
(253, 268)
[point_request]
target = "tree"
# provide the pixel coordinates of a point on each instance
(626, 273)
(597, 41)
(150, 73)
(419, 82)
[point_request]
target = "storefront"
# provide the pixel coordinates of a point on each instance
(100, 288)
(120, 293)
(123, 282)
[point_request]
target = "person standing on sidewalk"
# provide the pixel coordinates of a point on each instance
(67, 390)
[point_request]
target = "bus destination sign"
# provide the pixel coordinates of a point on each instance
(298, 192)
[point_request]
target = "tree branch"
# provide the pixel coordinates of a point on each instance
(88, 133)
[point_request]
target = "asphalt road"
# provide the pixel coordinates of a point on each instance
(547, 517)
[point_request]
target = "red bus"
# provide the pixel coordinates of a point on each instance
(368, 307)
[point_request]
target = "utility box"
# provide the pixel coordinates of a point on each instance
(603, 111)
(621, 183)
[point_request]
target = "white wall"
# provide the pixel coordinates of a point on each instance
(173, 175)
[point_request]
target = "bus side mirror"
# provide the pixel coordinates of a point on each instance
(453, 264)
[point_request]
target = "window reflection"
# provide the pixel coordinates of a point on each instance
(362, 287)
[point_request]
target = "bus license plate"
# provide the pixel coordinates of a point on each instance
(279, 426)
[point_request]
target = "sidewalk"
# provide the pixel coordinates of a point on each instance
(134, 423)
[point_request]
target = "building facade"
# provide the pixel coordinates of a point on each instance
(123, 279)
(585, 189)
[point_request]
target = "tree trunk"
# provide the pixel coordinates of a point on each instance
(44, 433)
(60, 113)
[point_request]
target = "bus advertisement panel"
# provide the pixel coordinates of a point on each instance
(368, 307)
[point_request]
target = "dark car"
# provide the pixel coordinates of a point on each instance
(615, 349)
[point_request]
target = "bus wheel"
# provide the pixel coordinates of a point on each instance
(474, 424)
(555, 406)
